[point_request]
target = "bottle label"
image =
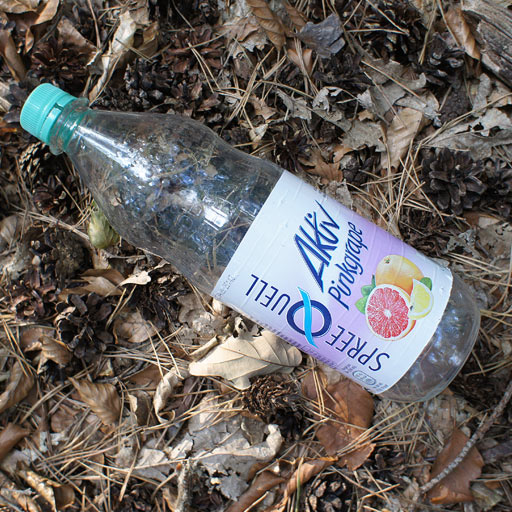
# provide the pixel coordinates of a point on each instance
(335, 285)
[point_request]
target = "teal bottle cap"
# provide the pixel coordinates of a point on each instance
(41, 110)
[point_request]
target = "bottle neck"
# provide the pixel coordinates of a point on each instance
(66, 124)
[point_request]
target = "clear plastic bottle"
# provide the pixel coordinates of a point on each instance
(170, 185)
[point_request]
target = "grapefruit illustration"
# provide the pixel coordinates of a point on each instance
(387, 312)
(397, 271)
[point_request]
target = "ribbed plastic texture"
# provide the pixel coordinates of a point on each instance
(41, 110)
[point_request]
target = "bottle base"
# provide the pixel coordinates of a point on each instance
(445, 354)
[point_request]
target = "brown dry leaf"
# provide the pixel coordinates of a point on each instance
(455, 487)
(296, 17)
(141, 278)
(148, 378)
(47, 13)
(133, 327)
(58, 496)
(10, 436)
(104, 282)
(305, 472)
(54, 350)
(263, 482)
(320, 167)
(269, 22)
(18, 6)
(71, 37)
(351, 410)
(399, 135)
(238, 359)
(30, 338)
(18, 386)
(261, 108)
(10, 55)
(303, 61)
(461, 31)
(101, 398)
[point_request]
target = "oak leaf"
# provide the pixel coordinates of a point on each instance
(350, 411)
(454, 488)
(238, 359)
(102, 398)
(18, 386)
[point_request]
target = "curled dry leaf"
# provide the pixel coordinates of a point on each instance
(262, 483)
(454, 488)
(10, 493)
(165, 390)
(10, 436)
(461, 31)
(10, 55)
(269, 22)
(102, 398)
(54, 350)
(350, 409)
(400, 135)
(58, 496)
(238, 359)
(133, 327)
(18, 386)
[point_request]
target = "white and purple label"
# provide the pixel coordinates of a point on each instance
(335, 285)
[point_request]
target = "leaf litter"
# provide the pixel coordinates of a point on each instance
(121, 386)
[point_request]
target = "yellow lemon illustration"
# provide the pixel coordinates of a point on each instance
(422, 301)
(398, 271)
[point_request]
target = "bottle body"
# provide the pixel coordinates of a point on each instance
(171, 186)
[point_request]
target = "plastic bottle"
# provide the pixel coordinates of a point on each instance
(268, 245)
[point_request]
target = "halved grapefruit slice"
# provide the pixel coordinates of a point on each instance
(387, 312)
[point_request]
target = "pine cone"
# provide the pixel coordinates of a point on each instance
(358, 168)
(275, 400)
(498, 196)
(329, 492)
(148, 83)
(391, 29)
(452, 179)
(81, 325)
(64, 65)
(444, 61)
(55, 257)
(54, 188)
(343, 70)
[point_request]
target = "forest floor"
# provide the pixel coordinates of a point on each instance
(386, 106)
